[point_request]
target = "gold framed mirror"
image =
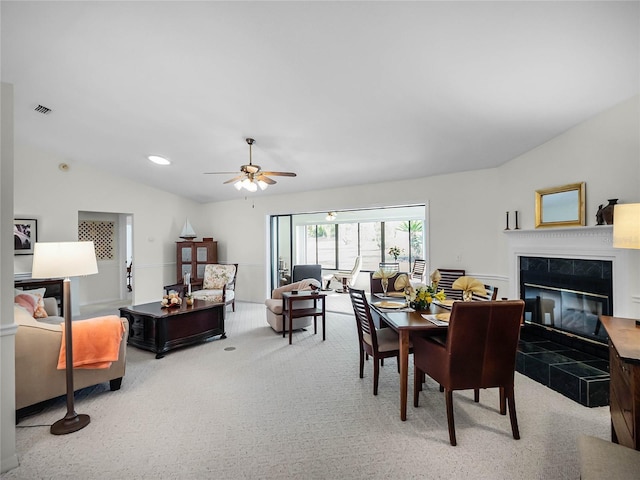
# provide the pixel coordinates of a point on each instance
(561, 206)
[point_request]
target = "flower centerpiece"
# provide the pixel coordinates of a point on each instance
(395, 253)
(422, 295)
(172, 299)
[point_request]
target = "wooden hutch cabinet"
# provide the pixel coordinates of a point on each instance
(193, 256)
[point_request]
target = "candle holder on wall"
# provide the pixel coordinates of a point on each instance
(507, 227)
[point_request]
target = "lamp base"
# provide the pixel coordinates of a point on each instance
(70, 424)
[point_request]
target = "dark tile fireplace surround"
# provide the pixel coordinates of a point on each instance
(562, 345)
(566, 283)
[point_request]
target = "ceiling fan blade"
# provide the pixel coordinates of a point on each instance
(235, 179)
(265, 179)
(279, 174)
(220, 173)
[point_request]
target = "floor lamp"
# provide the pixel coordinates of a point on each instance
(626, 228)
(66, 259)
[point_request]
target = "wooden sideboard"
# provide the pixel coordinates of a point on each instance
(624, 368)
(192, 257)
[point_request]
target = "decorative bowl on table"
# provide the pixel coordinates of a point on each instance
(172, 299)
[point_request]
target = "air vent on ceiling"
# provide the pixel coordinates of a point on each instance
(42, 109)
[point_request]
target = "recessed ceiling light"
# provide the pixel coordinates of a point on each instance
(159, 160)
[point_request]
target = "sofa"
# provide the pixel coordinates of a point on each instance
(274, 305)
(37, 347)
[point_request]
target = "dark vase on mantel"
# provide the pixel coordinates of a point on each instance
(607, 211)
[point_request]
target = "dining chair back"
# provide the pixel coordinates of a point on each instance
(417, 272)
(447, 277)
(392, 266)
(491, 294)
(375, 284)
(377, 343)
(479, 352)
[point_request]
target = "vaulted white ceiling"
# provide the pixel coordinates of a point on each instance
(342, 93)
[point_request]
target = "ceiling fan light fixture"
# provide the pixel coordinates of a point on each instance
(251, 186)
(252, 176)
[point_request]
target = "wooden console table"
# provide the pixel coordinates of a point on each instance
(288, 311)
(162, 329)
(624, 368)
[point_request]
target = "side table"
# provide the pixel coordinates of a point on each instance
(289, 312)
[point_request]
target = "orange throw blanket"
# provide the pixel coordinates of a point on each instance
(96, 342)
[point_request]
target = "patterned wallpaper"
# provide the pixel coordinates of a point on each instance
(102, 233)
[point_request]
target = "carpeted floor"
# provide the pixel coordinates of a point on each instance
(252, 406)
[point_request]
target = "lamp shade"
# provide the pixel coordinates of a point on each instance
(63, 259)
(626, 227)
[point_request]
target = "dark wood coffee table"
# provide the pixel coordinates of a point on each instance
(162, 329)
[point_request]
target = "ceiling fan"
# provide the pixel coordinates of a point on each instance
(252, 176)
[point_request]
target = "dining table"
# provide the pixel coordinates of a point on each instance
(406, 322)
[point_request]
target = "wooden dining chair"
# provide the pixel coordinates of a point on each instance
(491, 294)
(479, 352)
(375, 284)
(378, 343)
(392, 266)
(447, 277)
(417, 272)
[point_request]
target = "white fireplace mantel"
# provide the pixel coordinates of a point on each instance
(589, 243)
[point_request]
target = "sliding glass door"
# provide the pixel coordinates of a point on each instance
(281, 250)
(335, 240)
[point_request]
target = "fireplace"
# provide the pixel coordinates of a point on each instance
(567, 278)
(567, 294)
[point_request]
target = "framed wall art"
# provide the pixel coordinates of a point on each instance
(561, 206)
(25, 235)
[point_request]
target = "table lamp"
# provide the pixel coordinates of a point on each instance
(626, 228)
(66, 259)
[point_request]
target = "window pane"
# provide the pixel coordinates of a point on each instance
(311, 244)
(370, 244)
(327, 246)
(416, 239)
(396, 235)
(347, 245)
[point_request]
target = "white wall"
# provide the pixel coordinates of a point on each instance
(54, 197)
(466, 210)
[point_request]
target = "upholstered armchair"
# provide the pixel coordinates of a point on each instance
(274, 305)
(346, 277)
(219, 284)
